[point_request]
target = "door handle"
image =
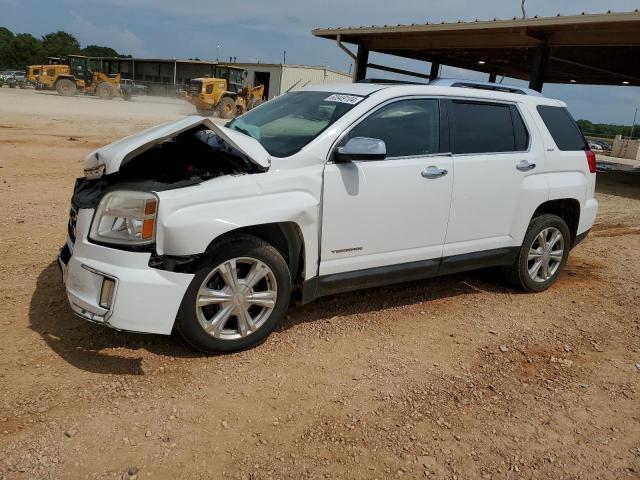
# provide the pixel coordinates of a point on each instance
(525, 166)
(434, 172)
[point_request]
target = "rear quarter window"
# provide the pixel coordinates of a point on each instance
(562, 127)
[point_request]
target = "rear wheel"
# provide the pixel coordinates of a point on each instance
(227, 108)
(105, 91)
(237, 297)
(66, 87)
(543, 254)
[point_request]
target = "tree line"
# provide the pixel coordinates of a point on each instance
(21, 49)
(606, 130)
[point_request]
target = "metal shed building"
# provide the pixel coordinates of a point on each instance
(280, 78)
(163, 76)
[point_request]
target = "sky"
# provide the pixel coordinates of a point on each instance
(259, 30)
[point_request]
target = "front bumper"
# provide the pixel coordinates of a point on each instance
(145, 299)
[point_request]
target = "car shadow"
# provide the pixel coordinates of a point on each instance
(88, 346)
(97, 349)
(421, 292)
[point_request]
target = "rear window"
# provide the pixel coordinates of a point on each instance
(562, 127)
(479, 127)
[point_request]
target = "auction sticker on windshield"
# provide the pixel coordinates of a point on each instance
(340, 98)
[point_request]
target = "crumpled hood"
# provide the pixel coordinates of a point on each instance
(110, 158)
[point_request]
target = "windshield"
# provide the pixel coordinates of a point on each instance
(286, 124)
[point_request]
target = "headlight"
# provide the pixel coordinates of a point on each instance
(125, 217)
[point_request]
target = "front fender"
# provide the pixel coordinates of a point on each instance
(190, 230)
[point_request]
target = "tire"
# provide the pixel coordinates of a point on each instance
(254, 102)
(226, 108)
(105, 91)
(248, 254)
(66, 87)
(521, 273)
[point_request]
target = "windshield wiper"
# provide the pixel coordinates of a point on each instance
(242, 130)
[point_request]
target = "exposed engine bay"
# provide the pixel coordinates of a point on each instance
(192, 157)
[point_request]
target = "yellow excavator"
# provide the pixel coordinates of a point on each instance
(73, 76)
(224, 94)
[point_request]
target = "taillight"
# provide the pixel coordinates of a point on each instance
(591, 160)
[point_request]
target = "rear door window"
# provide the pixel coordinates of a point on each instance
(562, 127)
(481, 127)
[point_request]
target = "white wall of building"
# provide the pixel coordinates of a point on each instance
(626, 148)
(295, 77)
(283, 78)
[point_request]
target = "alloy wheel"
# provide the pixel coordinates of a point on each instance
(236, 298)
(545, 255)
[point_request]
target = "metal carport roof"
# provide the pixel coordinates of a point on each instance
(601, 49)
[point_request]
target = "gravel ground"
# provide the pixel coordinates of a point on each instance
(452, 378)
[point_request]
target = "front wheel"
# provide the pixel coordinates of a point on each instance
(105, 91)
(237, 298)
(227, 108)
(254, 102)
(66, 87)
(543, 254)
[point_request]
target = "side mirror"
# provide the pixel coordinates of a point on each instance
(361, 148)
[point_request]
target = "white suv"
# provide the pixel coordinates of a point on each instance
(215, 230)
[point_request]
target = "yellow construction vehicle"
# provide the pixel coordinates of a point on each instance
(32, 72)
(43, 77)
(79, 78)
(225, 94)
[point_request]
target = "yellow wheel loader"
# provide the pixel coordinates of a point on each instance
(43, 77)
(78, 78)
(225, 94)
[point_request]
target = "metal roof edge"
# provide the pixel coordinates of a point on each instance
(584, 18)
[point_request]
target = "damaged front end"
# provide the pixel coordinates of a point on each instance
(109, 263)
(179, 154)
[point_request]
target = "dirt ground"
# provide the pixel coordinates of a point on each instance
(451, 378)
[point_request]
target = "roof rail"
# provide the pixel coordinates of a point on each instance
(496, 87)
(389, 81)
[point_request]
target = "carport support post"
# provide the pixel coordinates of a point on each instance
(435, 69)
(539, 68)
(362, 59)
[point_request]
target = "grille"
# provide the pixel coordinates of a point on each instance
(71, 227)
(195, 88)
